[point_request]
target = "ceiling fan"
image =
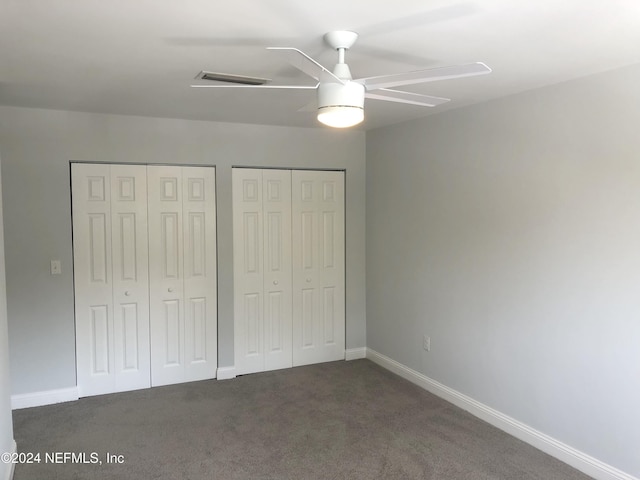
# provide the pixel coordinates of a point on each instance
(340, 98)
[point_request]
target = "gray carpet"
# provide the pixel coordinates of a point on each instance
(342, 420)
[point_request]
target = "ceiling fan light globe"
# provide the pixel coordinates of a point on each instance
(340, 116)
(340, 105)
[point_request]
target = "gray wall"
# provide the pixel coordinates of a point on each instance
(509, 232)
(36, 147)
(6, 423)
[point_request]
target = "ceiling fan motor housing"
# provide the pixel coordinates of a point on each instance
(351, 94)
(340, 105)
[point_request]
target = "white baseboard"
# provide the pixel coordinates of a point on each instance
(37, 399)
(577, 459)
(355, 353)
(8, 475)
(226, 373)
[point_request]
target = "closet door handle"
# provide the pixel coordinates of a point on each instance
(275, 282)
(127, 293)
(308, 280)
(169, 290)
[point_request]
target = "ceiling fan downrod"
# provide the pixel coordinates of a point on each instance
(341, 40)
(341, 105)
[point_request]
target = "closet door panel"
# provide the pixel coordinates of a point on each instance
(100, 342)
(277, 268)
(307, 342)
(130, 276)
(248, 259)
(332, 263)
(318, 266)
(166, 296)
(91, 186)
(200, 289)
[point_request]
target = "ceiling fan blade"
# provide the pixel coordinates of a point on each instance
(423, 76)
(306, 64)
(396, 56)
(281, 87)
(419, 19)
(406, 97)
(231, 78)
(226, 42)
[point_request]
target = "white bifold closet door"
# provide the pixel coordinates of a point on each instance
(288, 268)
(262, 269)
(144, 242)
(318, 266)
(111, 277)
(182, 273)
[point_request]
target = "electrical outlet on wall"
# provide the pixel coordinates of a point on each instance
(426, 343)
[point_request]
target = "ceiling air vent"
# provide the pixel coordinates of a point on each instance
(228, 78)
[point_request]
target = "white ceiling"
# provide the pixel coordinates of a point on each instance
(138, 57)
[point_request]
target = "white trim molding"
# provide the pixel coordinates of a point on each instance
(226, 373)
(355, 353)
(49, 397)
(567, 454)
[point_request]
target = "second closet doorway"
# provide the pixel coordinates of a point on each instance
(289, 276)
